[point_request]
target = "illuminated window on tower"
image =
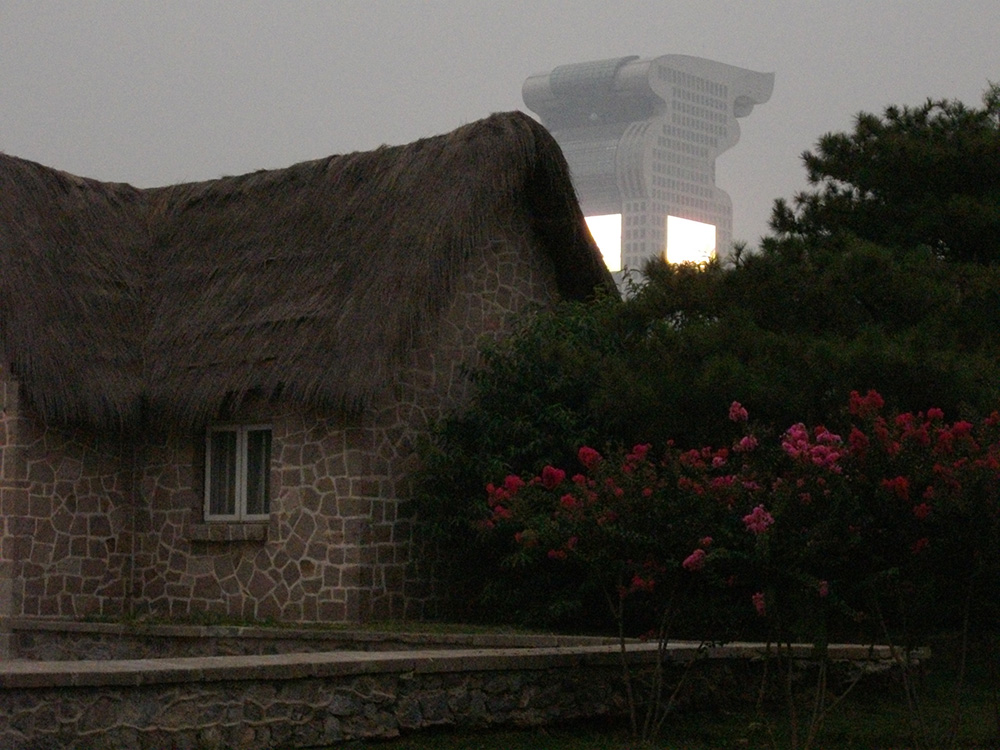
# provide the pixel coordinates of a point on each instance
(689, 241)
(607, 233)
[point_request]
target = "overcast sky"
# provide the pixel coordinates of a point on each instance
(154, 92)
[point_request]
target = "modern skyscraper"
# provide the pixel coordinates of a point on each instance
(641, 137)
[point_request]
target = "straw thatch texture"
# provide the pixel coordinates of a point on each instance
(70, 287)
(308, 282)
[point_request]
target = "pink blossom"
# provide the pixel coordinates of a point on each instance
(641, 584)
(692, 458)
(695, 561)
(824, 589)
(935, 413)
(858, 442)
(758, 603)
(723, 482)
(569, 502)
(823, 435)
(737, 413)
(686, 483)
(512, 483)
(826, 452)
(705, 541)
(496, 495)
(552, 477)
(758, 520)
(796, 440)
(588, 457)
(639, 451)
(826, 457)
(899, 486)
(502, 513)
(865, 406)
(921, 511)
(745, 444)
(961, 428)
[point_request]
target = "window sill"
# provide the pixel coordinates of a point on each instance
(222, 531)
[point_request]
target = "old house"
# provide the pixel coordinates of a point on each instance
(211, 392)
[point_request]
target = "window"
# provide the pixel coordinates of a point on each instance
(237, 473)
(607, 233)
(689, 241)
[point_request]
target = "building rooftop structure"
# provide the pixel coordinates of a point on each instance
(641, 137)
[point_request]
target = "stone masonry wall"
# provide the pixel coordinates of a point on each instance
(300, 565)
(299, 700)
(66, 511)
(296, 714)
(296, 701)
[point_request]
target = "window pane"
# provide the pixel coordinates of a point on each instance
(258, 472)
(222, 474)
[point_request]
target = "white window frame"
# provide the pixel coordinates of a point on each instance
(240, 510)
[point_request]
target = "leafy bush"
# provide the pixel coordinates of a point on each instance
(786, 333)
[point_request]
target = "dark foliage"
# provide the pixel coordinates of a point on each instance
(924, 176)
(788, 332)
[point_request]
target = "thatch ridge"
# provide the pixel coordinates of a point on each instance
(308, 282)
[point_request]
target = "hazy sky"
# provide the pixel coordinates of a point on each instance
(160, 91)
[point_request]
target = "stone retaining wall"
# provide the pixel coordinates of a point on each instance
(306, 700)
(295, 700)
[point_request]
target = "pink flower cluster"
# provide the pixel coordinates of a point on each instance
(695, 561)
(915, 466)
(866, 406)
(825, 452)
(552, 477)
(737, 413)
(758, 520)
(588, 457)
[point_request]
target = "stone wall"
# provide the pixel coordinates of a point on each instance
(67, 514)
(299, 712)
(301, 700)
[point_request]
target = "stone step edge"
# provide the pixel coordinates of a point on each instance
(25, 674)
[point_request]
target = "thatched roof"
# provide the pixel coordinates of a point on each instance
(307, 282)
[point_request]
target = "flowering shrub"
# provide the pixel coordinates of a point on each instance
(817, 526)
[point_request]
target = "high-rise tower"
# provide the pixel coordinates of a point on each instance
(641, 138)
